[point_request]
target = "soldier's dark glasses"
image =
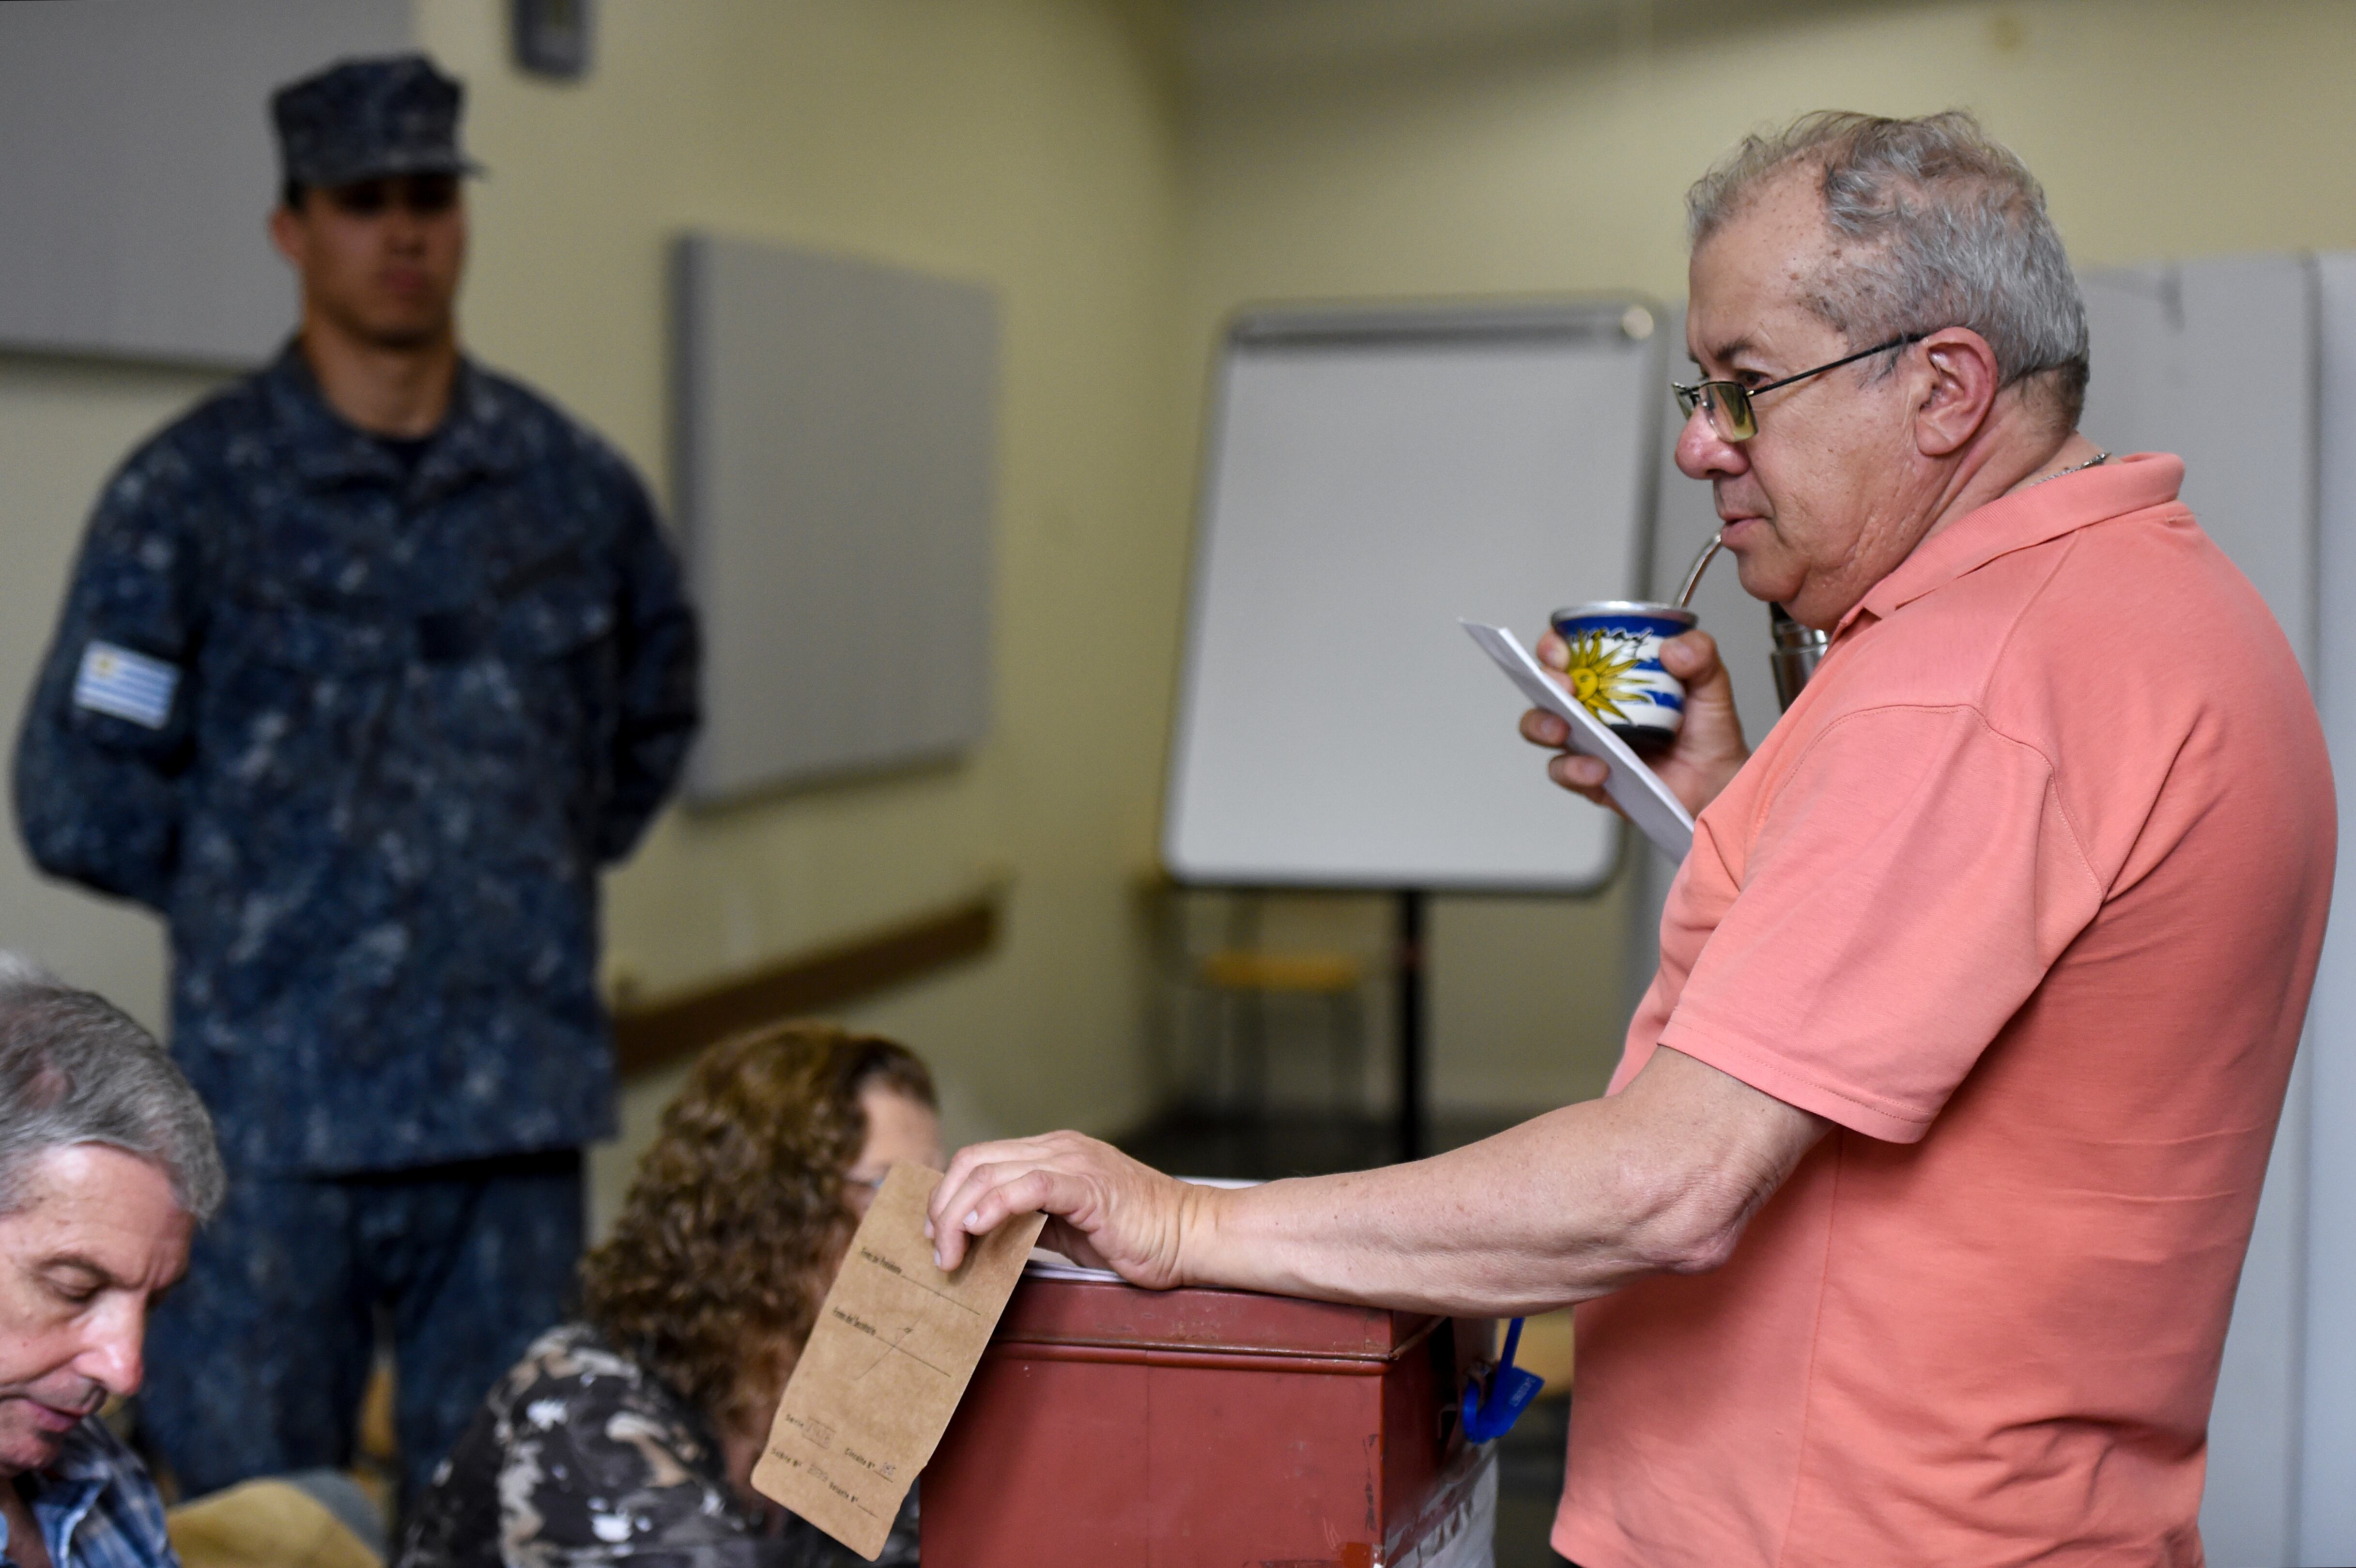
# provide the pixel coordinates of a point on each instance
(1727, 403)
(422, 196)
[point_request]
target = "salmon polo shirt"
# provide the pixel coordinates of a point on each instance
(2024, 894)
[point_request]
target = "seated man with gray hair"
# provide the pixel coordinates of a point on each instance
(107, 1166)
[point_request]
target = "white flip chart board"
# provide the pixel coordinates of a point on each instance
(1373, 475)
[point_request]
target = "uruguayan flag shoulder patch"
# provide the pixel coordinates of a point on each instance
(114, 680)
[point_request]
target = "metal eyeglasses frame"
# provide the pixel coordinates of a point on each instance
(1727, 403)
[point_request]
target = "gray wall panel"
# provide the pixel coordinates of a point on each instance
(836, 443)
(141, 170)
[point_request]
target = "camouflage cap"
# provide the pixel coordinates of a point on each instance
(362, 119)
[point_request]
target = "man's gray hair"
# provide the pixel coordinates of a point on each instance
(1941, 225)
(75, 1070)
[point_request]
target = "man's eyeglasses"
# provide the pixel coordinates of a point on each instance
(423, 195)
(1727, 403)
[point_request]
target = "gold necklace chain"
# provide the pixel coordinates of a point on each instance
(2098, 458)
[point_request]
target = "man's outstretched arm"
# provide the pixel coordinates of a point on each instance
(1660, 1178)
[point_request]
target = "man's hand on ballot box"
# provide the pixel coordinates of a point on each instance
(1661, 1177)
(1105, 1210)
(1709, 749)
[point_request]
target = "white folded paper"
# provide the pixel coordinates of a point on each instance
(1637, 789)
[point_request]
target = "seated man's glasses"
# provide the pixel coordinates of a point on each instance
(1727, 403)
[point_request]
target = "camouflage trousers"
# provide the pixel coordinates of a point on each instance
(257, 1360)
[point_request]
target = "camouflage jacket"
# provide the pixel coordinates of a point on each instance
(580, 1457)
(364, 729)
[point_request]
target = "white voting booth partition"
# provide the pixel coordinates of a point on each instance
(2215, 360)
(2325, 1409)
(2243, 365)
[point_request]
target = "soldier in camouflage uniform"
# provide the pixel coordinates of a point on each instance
(369, 664)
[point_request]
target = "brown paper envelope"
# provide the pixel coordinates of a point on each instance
(894, 1347)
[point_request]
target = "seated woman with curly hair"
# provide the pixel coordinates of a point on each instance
(631, 1435)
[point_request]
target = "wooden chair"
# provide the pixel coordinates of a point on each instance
(1240, 980)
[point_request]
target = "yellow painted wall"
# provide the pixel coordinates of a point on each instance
(1044, 146)
(2159, 127)
(1029, 144)
(1556, 160)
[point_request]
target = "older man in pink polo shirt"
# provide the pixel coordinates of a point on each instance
(1910, 1228)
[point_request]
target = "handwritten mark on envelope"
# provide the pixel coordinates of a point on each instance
(894, 1347)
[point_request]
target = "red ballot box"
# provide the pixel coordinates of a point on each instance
(1108, 1424)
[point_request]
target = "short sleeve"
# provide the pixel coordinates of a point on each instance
(1909, 883)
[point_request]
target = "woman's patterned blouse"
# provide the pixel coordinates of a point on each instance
(581, 1458)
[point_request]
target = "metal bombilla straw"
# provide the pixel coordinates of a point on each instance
(1693, 573)
(1795, 650)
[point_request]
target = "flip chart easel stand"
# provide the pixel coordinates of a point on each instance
(1407, 973)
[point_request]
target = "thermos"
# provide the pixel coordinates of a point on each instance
(1795, 652)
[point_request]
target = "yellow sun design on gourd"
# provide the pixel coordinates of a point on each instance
(1601, 672)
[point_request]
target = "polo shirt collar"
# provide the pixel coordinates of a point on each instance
(2025, 517)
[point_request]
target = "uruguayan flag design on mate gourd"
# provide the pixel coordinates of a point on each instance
(1615, 671)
